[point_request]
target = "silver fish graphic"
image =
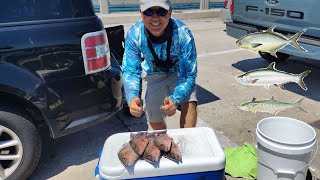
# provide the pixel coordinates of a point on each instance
(271, 76)
(269, 41)
(270, 105)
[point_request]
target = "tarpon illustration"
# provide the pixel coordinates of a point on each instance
(271, 76)
(269, 41)
(270, 105)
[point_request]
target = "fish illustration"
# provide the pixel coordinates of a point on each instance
(163, 142)
(271, 76)
(127, 156)
(139, 142)
(269, 41)
(270, 105)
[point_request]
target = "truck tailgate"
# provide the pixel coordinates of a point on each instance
(291, 16)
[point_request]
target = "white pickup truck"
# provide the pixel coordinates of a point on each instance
(289, 17)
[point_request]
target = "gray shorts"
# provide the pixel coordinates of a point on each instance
(154, 89)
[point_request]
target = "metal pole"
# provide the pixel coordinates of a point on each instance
(104, 9)
(204, 4)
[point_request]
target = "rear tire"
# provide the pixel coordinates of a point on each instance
(25, 144)
(269, 57)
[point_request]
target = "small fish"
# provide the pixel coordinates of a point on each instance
(269, 41)
(139, 142)
(163, 142)
(174, 153)
(270, 105)
(270, 76)
(127, 156)
(152, 153)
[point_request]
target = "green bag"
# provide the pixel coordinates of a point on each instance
(242, 161)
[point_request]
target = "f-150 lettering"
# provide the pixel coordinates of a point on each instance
(277, 12)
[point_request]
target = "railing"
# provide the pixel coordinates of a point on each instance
(104, 4)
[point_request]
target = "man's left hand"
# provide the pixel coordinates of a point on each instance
(169, 108)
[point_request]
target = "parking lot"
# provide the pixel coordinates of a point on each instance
(219, 62)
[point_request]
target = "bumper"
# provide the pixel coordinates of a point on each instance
(237, 30)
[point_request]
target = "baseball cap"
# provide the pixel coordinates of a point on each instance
(146, 4)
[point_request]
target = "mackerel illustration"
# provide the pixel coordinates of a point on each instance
(271, 76)
(270, 105)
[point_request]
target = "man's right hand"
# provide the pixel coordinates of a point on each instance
(136, 107)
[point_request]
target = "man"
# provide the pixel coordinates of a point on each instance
(161, 51)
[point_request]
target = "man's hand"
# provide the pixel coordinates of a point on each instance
(136, 107)
(168, 107)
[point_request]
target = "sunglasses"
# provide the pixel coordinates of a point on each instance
(160, 12)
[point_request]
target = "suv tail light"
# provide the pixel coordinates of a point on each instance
(225, 4)
(95, 51)
(232, 6)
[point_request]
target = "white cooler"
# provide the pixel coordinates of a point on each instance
(202, 158)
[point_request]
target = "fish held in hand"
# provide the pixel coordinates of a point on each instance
(127, 156)
(152, 153)
(163, 142)
(139, 142)
(174, 153)
(270, 105)
(271, 76)
(269, 41)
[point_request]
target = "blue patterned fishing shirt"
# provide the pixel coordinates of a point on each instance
(182, 49)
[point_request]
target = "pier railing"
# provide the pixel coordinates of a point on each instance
(104, 4)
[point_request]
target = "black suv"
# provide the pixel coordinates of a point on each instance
(56, 73)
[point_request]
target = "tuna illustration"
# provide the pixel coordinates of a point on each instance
(163, 142)
(271, 76)
(269, 41)
(174, 153)
(152, 153)
(127, 156)
(139, 142)
(270, 105)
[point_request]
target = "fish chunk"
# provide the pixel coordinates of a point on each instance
(152, 153)
(163, 142)
(139, 143)
(127, 156)
(174, 153)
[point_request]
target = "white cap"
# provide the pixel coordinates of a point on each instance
(146, 4)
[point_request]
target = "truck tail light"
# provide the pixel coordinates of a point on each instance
(225, 4)
(232, 6)
(95, 51)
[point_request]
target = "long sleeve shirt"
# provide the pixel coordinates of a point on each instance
(182, 49)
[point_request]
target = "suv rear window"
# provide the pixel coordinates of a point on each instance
(30, 10)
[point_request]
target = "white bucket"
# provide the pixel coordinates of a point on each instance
(284, 148)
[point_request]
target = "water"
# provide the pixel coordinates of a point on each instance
(135, 7)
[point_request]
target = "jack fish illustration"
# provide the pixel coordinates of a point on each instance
(139, 142)
(270, 76)
(269, 41)
(270, 105)
(127, 156)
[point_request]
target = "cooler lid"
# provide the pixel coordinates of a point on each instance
(200, 150)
